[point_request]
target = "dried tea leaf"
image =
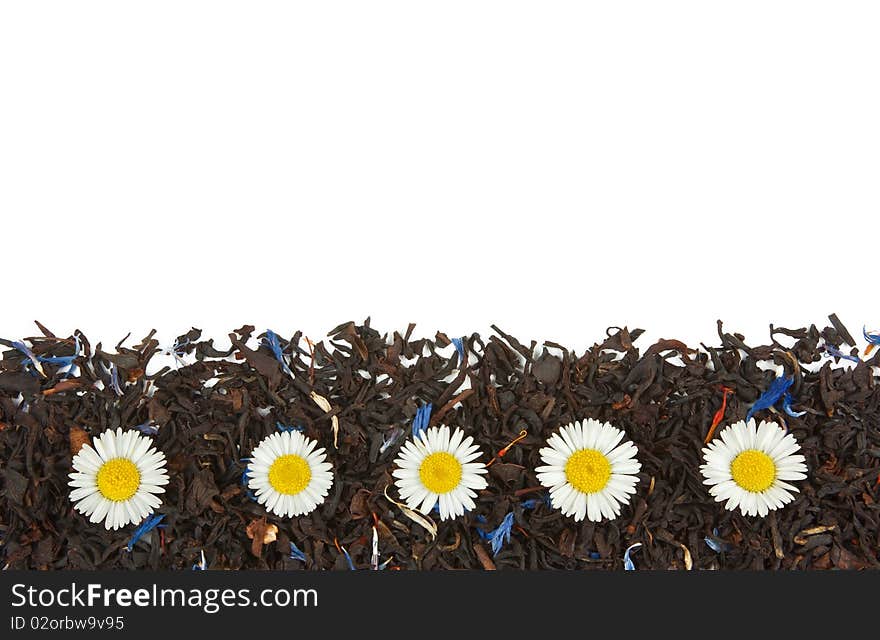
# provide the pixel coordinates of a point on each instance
(358, 507)
(566, 543)
(15, 485)
(202, 490)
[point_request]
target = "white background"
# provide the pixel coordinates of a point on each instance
(553, 167)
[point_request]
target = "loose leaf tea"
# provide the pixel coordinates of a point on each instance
(358, 394)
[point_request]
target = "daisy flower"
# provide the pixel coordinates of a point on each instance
(588, 471)
(117, 479)
(438, 467)
(749, 465)
(288, 474)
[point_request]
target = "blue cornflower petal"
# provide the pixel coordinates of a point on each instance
(459, 346)
(389, 441)
(712, 544)
(178, 350)
(57, 360)
(114, 379)
(770, 397)
(26, 350)
(274, 344)
(499, 536)
(297, 554)
(786, 406)
(347, 558)
(422, 419)
(531, 503)
(873, 338)
(715, 543)
(179, 347)
(65, 362)
(484, 535)
(245, 476)
(833, 351)
(148, 428)
(627, 560)
(149, 523)
(282, 427)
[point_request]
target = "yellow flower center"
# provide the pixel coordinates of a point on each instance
(753, 470)
(440, 472)
(290, 474)
(118, 479)
(588, 470)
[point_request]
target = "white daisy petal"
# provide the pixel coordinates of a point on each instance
(755, 483)
(579, 507)
(440, 467)
(589, 470)
(81, 492)
(302, 479)
(89, 456)
(115, 478)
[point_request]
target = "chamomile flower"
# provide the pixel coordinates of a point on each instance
(588, 471)
(117, 480)
(749, 466)
(437, 466)
(289, 474)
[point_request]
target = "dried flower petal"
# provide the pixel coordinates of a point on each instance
(422, 419)
(324, 404)
(35, 361)
(833, 351)
(872, 338)
(627, 559)
(297, 554)
(271, 340)
(786, 406)
(149, 523)
(78, 437)
(497, 537)
(770, 397)
(423, 521)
